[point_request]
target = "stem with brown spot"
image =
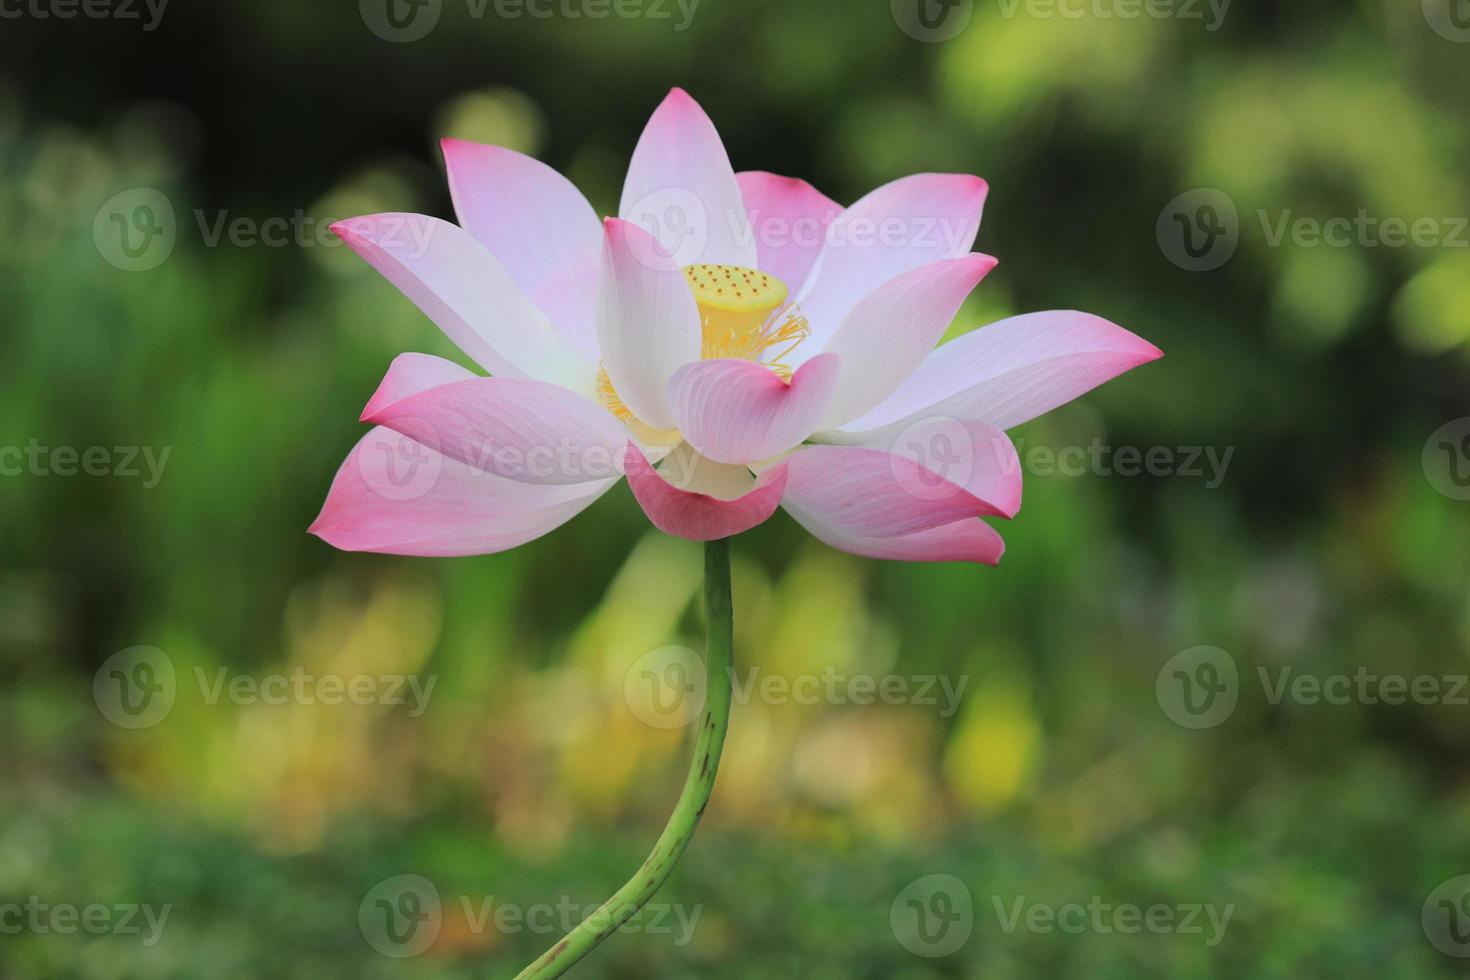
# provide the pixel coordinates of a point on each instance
(709, 741)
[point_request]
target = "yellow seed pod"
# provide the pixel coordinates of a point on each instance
(734, 289)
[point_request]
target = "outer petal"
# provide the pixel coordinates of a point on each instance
(892, 329)
(900, 226)
(870, 493)
(463, 289)
(648, 323)
(526, 431)
(535, 222)
(789, 218)
(410, 374)
(978, 457)
(967, 540)
(699, 515)
(396, 496)
(1010, 372)
(680, 186)
(738, 411)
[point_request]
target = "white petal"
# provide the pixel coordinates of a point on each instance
(682, 189)
(647, 324)
(462, 288)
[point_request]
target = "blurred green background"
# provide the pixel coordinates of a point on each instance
(1334, 542)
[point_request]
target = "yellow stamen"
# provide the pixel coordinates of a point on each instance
(743, 314)
(610, 398)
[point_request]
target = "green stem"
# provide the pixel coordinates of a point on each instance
(708, 743)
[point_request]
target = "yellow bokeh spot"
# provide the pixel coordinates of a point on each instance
(994, 751)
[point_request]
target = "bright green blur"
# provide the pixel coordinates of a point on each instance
(509, 737)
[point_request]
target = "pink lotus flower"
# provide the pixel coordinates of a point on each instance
(754, 346)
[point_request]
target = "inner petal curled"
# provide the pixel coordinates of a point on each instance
(744, 315)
